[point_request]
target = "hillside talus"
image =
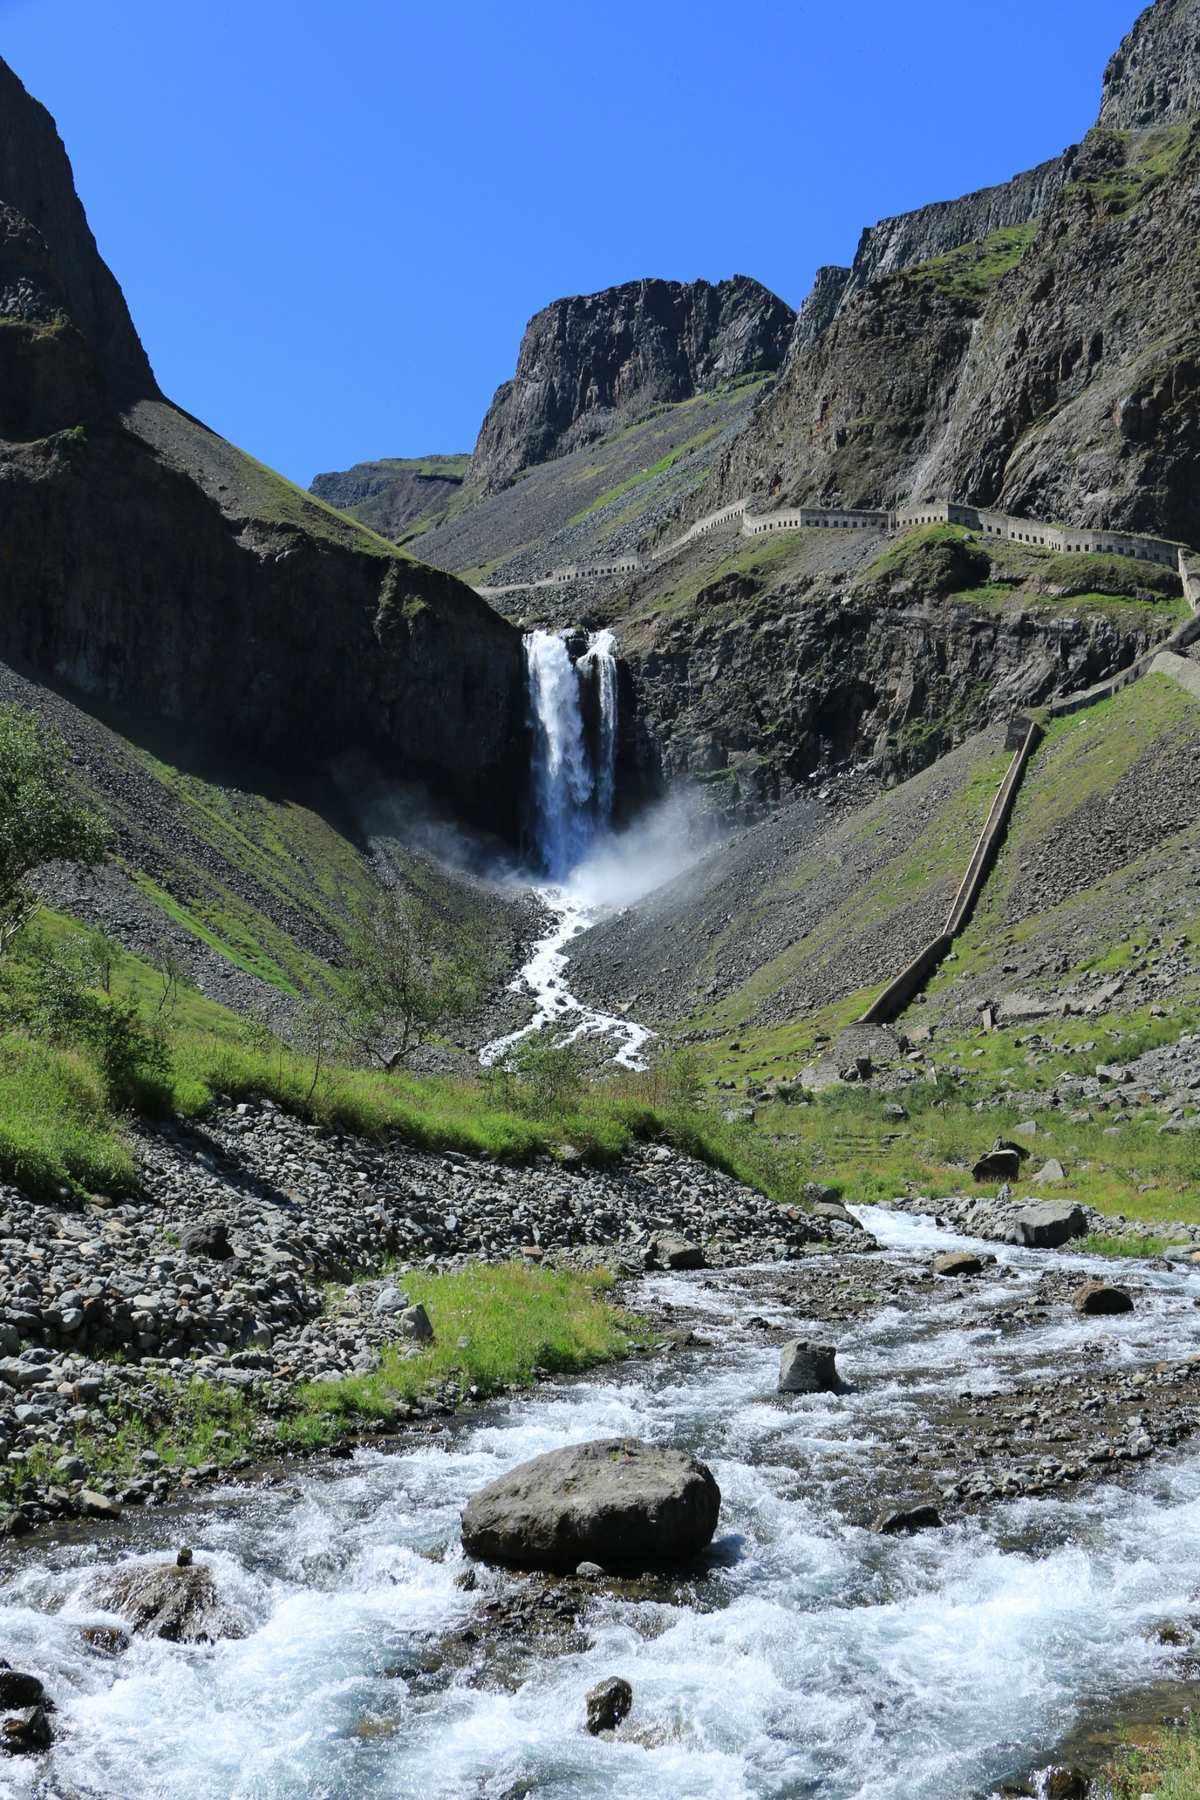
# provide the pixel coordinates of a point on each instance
(149, 561)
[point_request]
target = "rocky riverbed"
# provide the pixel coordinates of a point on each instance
(809, 1652)
(259, 1257)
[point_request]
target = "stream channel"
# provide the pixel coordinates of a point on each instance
(810, 1657)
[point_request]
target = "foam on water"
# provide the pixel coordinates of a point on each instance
(816, 1659)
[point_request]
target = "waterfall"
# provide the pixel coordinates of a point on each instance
(573, 784)
(602, 654)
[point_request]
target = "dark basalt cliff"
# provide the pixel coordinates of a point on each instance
(147, 561)
(584, 359)
(1154, 77)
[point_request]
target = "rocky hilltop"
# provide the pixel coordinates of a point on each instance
(584, 359)
(398, 496)
(151, 563)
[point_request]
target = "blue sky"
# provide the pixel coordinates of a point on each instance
(332, 221)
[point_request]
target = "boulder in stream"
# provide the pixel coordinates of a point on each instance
(1096, 1299)
(961, 1262)
(26, 1733)
(808, 1368)
(608, 1703)
(904, 1521)
(1050, 1225)
(177, 1601)
(617, 1501)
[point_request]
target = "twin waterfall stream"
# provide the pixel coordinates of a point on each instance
(574, 789)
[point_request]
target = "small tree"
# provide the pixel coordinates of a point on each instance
(409, 973)
(41, 820)
(318, 1028)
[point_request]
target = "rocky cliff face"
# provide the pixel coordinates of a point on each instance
(1154, 78)
(755, 694)
(585, 359)
(1032, 345)
(149, 562)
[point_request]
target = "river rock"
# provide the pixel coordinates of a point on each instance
(667, 1252)
(27, 1733)
(1001, 1164)
(808, 1368)
(905, 1521)
(1097, 1300)
(607, 1704)
(175, 1601)
(960, 1262)
(1049, 1226)
(414, 1323)
(617, 1501)
(210, 1238)
(17, 1689)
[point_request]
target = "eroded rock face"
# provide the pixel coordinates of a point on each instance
(618, 1502)
(1154, 77)
(586, 358)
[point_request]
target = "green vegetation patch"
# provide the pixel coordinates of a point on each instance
(495, 1327)
(970, 272)
(935, 559)
(641, 476)
(1137, 163)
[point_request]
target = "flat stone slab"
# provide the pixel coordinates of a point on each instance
(618, 1502)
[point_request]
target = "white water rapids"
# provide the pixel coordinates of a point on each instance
(574, 787)
(814, 1659)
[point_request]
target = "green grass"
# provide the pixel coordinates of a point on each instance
(494, 1327)
(641, 476)
(1162, 1763)
(1097, 1244)
(1148, 159)
(56, 1130)
(970, 272)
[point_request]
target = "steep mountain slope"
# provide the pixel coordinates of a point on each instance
(1034, 346)
(620, 402)
(148, 561)
(774, 942)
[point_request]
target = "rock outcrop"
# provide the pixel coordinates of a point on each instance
(617, 1502)
(585, 359)
(398, 495)
(150, 563)
(1154, 77)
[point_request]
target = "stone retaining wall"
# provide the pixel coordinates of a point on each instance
(908, 984)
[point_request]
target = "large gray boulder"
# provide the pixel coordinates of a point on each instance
(1048, 1226)
(807, 1368)
(617, 1502)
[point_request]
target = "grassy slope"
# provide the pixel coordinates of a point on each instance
(58, 1131)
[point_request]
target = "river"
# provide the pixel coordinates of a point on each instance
(812, 1658)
